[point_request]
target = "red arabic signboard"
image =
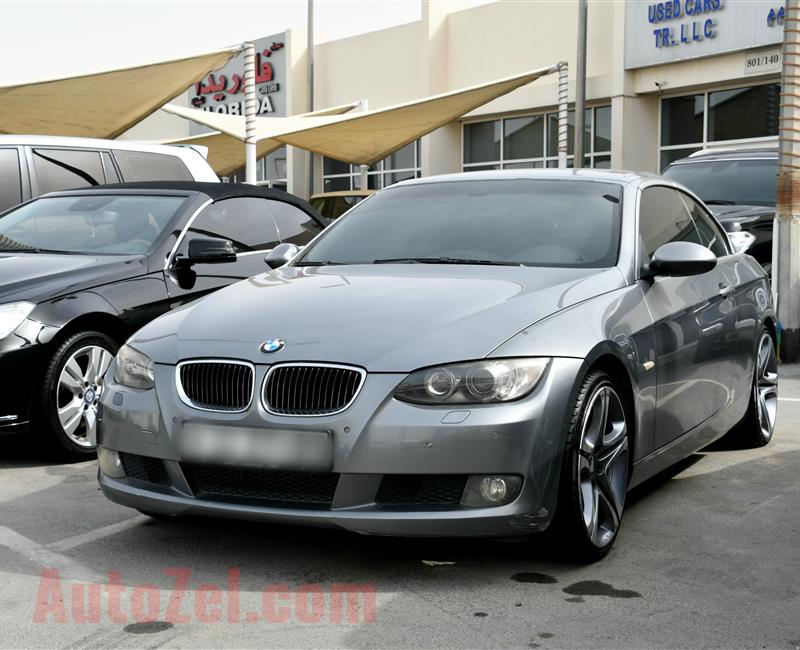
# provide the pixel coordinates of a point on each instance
(223, 91)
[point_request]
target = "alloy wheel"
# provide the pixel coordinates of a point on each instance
(765, 386)
(603, 465)
(80, 385)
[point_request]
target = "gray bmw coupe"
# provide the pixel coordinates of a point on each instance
(491, 353)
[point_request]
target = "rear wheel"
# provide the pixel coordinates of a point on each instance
(71, 391)
(758, 424)
(595, 471)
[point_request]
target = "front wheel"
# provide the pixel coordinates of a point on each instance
(595, 471)
(71, 390)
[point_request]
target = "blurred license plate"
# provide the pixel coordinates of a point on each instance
(271, 448)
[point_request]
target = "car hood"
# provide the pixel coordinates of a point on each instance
(42, 276)
(729, 214)
(384, 318)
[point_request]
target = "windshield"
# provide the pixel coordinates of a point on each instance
(520, 221)
(743, 182)
(102, 224)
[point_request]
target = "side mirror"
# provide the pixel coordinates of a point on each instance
(280, 255)
(210, 251)
(681, 258)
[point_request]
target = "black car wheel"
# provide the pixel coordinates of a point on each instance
(595, 470)
(758, 424)
(73, 383)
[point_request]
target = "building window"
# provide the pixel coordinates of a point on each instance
(398, 166)
(531, 141)
(690, 123)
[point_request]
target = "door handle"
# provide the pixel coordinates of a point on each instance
(726, 291)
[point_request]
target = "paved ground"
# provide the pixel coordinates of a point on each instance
(708, 557)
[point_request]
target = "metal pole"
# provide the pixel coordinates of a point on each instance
(580, 84)
(788, 190)
(364, 168)
(310, 73)
(250, 173)
(563, 87)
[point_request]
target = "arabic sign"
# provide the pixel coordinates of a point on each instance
(222, 91)
(665, 31)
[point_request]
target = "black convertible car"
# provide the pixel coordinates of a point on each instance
(82, 270)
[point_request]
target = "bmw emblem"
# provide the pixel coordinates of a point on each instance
(272, 345)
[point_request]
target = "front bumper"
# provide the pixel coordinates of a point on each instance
(22, 365)
(376, 438)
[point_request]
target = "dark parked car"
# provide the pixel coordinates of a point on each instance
(81, 270)
(738, 186)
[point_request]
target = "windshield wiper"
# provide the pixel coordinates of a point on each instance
(442, 260)
(322, 263)
(718, 202)
(40, 250)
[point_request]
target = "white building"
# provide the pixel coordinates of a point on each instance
(663, 79)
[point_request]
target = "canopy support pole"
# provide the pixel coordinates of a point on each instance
(251, 175)
(310, 73)
(563, 87)
(364, 180)
(580, 86)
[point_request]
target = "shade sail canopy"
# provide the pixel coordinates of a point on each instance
(225, 151)
(365, 138)
(103, 104)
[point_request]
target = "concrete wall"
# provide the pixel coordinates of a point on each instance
(505, 38)
(386, 67)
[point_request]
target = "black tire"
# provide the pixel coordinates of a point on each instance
(51, 393)
(755, 429)
(568, 529)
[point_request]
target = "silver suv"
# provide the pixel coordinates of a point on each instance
(31, 165)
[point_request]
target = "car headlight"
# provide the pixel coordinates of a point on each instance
(12, 315)
(475, 382)
(133, 369)
(741, 241)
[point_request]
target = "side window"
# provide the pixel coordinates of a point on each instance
(710, 235)
(108, 166)
(10, 182)
(143, 166)
(246, 221)
(294, 225)
(663, 218)
(64, 169)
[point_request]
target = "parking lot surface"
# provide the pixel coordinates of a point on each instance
(707, 557)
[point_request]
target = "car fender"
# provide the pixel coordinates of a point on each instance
(54, 315)
(613, 326)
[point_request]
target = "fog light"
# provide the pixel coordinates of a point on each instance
(110, 463)
(482, 491)
(493, 488)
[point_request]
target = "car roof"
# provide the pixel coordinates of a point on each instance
(96, 143)
(763, 153)
(215, 191)
(325, 195)
(606, 175)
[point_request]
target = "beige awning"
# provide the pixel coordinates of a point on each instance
(225, 151)
(103, 104)
(365, 138)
